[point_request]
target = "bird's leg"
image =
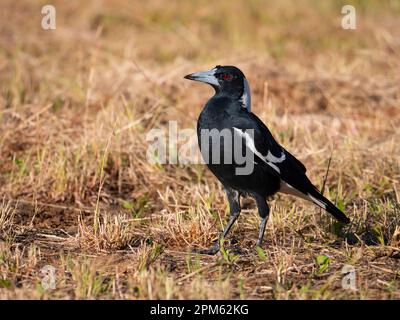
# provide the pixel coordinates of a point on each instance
(263, 211)
(234, 205)
(216, 246)
(263, 224)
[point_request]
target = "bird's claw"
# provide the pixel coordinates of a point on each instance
(211, 251)
(216, 248)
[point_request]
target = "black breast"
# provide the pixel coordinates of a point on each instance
(217, 144)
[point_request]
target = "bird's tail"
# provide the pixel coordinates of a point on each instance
(325, 204)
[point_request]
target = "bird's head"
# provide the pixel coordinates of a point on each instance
(226, 80)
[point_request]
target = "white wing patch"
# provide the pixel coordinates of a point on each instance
(317, 202)
(245, 99)
(273, 166)
(289, 189)
(270, 159)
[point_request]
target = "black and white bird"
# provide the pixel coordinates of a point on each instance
(273, 169)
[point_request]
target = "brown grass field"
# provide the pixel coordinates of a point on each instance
(78, 193)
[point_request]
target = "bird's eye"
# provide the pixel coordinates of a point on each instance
(226, 76)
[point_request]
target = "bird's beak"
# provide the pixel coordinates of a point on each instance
(204, 76)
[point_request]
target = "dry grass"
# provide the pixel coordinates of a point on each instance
(78, 193)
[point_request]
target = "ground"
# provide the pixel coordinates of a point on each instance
(79, 195)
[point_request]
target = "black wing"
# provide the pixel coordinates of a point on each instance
(279, 161)
(268, 150)
(296, 161)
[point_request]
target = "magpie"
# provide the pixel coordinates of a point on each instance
(273, 168)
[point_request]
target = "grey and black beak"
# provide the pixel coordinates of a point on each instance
(204, 76)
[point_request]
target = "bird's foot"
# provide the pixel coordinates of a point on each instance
(236, 250)
(216, 248)
(211, 251)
